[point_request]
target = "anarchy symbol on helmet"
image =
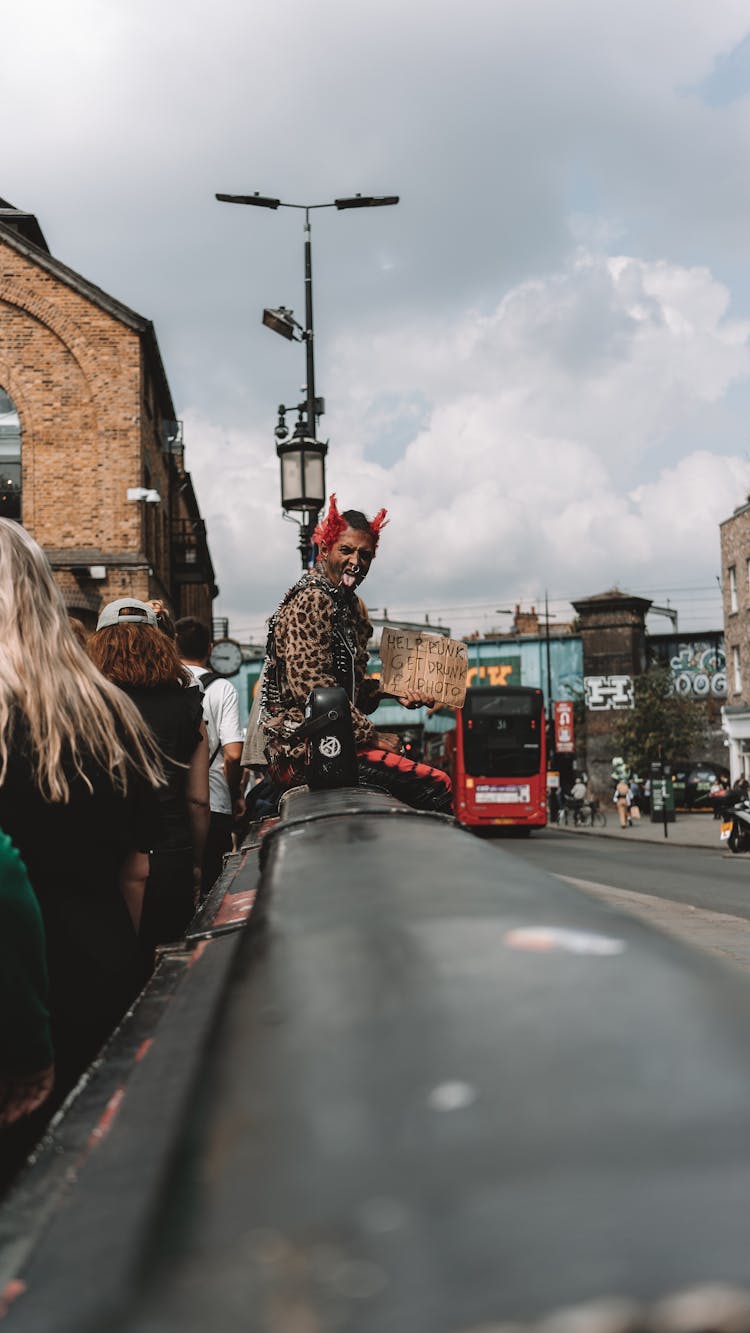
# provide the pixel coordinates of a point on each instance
(330, 747)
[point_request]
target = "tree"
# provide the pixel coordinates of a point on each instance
(661, 725)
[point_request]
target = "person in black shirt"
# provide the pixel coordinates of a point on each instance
(79, 771)
(132, 651)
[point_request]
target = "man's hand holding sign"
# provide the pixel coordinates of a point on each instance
(423, 668)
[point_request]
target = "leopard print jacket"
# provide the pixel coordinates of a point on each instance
(301, 656)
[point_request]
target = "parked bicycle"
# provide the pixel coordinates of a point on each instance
(592, 815)
(570, 812)
(581, 814)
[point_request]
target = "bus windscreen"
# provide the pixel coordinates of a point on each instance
(502, 734)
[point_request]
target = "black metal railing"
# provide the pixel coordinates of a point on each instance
(190, 558)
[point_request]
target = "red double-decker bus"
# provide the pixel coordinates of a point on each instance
(497, 758)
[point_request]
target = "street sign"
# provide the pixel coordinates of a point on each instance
(662, 795)
(564, 729)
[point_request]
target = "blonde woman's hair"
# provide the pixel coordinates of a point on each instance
(72, 712)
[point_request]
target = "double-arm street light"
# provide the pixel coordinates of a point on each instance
(302, 457)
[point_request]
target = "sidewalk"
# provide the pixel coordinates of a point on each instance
(687, 831)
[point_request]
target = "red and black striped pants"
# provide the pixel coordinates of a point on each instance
(416, 784)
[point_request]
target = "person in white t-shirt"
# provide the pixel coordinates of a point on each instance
(221, 712)
(578, 794)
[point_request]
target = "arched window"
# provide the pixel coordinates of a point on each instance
(10, 458)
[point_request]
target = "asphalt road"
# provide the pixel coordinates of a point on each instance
(699, 877)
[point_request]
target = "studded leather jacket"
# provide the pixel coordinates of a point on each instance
(317, 637)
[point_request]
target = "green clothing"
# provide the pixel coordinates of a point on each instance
(25, 1035)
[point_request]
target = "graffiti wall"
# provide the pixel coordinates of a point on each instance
(495, 673)
(525, 662)
(608, 692)
(697, 664)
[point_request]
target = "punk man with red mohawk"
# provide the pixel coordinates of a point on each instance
(318, 637)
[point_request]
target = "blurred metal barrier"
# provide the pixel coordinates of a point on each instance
(423, 1088)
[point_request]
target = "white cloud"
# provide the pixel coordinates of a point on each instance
(612, 351)
(539, 416)
(530, 412)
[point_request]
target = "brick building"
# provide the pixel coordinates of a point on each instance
(616, 648)
(735, 583)
(612, 626)
(91, 451)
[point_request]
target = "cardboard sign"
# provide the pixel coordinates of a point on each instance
(432, 665)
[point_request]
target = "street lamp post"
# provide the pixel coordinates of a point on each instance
(302, 458)
(550, 702)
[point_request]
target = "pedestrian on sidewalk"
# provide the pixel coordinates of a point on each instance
(578, 794)
(718, 794)
(622, 801)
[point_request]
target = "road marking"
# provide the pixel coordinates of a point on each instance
(717, 933)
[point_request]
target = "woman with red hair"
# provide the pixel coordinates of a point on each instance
(133, 652)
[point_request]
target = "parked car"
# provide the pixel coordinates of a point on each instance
(692, 784)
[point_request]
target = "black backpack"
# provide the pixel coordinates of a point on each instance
(203, 683)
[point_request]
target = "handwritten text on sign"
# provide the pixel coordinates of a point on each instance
(433, 666)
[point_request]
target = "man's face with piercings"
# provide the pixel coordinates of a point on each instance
(347, 562)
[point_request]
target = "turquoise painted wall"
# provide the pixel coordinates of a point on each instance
(491, 662)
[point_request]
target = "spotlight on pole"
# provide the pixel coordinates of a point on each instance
(282, 321)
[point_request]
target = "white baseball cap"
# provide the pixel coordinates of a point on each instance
(128, 611)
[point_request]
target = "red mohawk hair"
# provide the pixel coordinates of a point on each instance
(378, 523)
(330, 528)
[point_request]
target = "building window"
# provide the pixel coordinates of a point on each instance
(10, 458)
(737, 666)
(732, 588)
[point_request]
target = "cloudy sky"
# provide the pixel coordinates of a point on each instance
(539, 361)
